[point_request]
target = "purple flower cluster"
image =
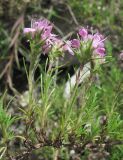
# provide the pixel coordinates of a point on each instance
(45, 28)
(41, 25)
(84, 38)
(97, 40)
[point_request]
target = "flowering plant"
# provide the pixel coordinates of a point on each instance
(74, 116)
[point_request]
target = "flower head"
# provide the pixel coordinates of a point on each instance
(52, 42)
(83, 33)
(98, 41)
(42, 25)
(100, 52)
(75, 43)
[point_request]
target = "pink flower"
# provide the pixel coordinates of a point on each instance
(42, 25)
(75, 43)
(59, 44)
(97, 41)
(100, 52)
(89, 37)
(28, 30)
(83, 33)
(52, 42)
(67, 47)
(45, 28)
(97, 46)
(49, 40)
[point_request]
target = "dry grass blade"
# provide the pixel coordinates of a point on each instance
(72, 15)
(16, 30)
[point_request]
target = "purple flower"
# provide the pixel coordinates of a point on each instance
(28, 30)
(83, 33)
(52, 42)
(98, 41)
(42, 25)
(45, 28)
(49, 40)
(75, 43)
(67, 47)
(100, 52)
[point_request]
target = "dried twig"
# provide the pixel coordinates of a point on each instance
(72, 15)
